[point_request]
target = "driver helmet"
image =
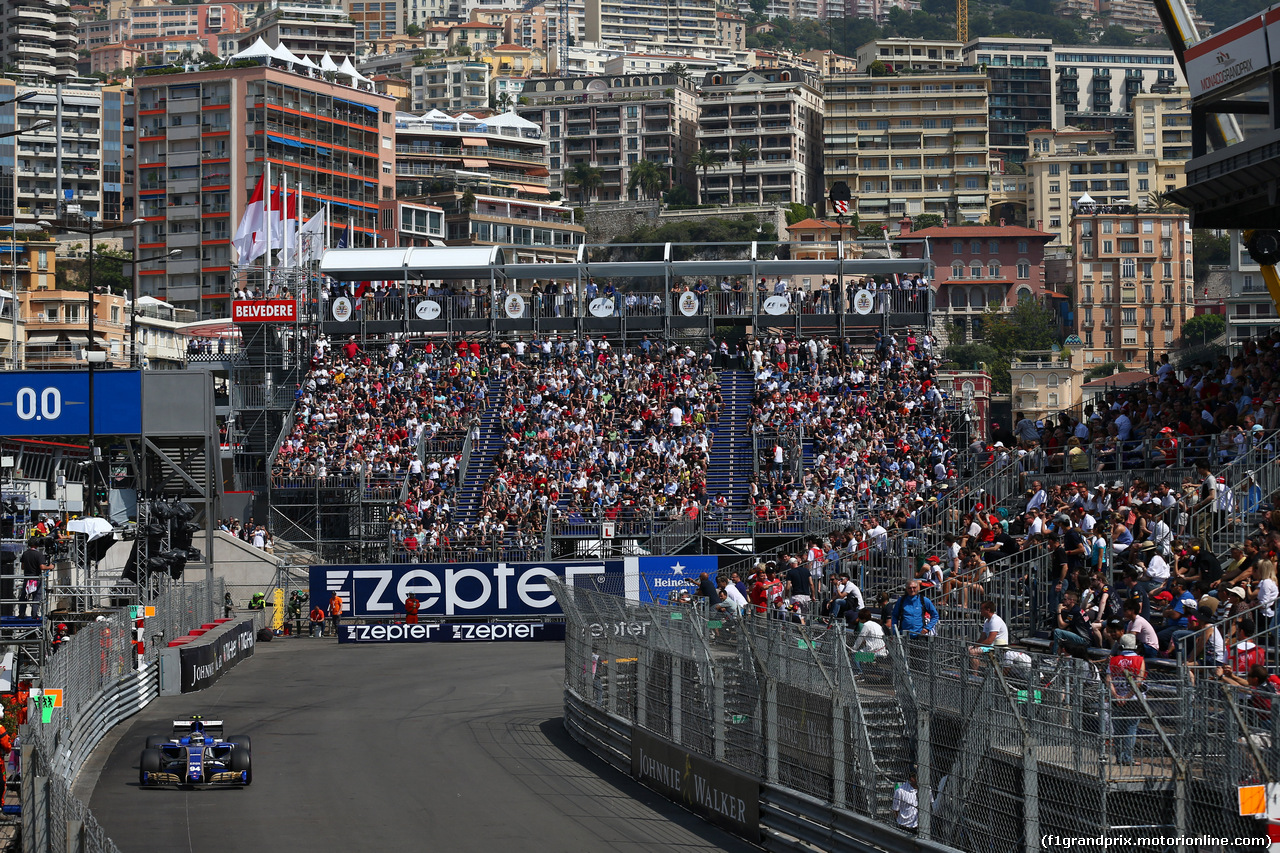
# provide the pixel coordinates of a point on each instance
(197, 737)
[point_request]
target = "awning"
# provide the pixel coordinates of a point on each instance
(972, 199)
(474, 164)
(475, 142)
(42, 339)
(535, 188)
(539, 172)
(448, 262)
(280, 140)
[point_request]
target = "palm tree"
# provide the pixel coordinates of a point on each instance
(744, 154)
(649, 178)
(505, 102)
(706, 160)
(586, 178)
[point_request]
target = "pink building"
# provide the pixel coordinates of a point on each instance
(978, 265)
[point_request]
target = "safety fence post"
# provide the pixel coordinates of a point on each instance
(770, 728)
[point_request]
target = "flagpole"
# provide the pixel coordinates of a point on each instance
(266, 224)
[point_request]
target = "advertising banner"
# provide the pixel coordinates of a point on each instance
(721, 795)
(205, 663)
(448, 632)
(452, 589)
(56, 402)
(264, 311)
(655, 578)
(1227, 57)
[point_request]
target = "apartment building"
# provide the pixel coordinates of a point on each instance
(423, 12)
(978, 266)
(777, 115)
(612, 122)
(208, 22)
(794, 10)
(539, 26)
(1066, 165)
(1251, 312)
(27, 261)
(513, 60)
(204, 138)
(474, 36)
(110, 58)
(1133, 282)
(376, 19)
(731, 30)
(1095, 85)
(38, 38)
(71, 167)
(450, 85)
(901, 54)
(307, 29)
(406, 223)
(622, 22)
(910, 144)
(1021, 77)
(503, 155)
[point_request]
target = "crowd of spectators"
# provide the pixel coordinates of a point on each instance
(875, 423)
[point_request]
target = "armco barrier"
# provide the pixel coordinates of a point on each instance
(788, 820)
(101, 687)
(196, 664)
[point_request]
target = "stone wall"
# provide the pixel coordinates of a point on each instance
(610, 220)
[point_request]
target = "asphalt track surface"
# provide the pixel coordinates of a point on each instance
(450, 747)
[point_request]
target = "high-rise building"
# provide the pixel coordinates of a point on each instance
(1021, 89)
(1095, 85)
(774, 118)
(38, 39)
(618, 22)
(1070, 164)
(1133, 282)
(376, 19)
(204, 138)
(452, 84)
(207, 21)
(612, 123)
(910, 144)
(72, 165)
(307, 29)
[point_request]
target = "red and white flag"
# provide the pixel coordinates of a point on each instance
(276, 215)
(251, 224)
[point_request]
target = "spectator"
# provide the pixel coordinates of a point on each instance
(1124, 671)
(913, 614)
(905, 803)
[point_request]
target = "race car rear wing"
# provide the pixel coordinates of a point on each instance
(212, 728)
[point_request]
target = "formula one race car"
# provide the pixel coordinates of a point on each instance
(196, 754)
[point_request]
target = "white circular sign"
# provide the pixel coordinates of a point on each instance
(601, 307)
(428, 309)
(863, 302)
(776, 305)
(688, 303)
(514, 306)
(342, 309)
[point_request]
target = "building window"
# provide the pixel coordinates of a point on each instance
(957, 269)
(1024, 270)
(1028, 381)
(975, 270)
(993, 269)
(1128, 268)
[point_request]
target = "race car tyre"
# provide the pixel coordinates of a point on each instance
(149, 763)
(156, 741)
(241, 740)
(240, 762)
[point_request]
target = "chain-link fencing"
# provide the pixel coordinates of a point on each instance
(1007, 745)
(102, 680)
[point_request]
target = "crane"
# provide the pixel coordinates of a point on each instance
(962, 21)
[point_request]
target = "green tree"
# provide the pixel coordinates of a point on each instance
(1202, 328)
(1102, 371)
(412, 30)
(926, 220)
(1117, 36)
(648, 178)
(745, 153)
(798, 213)
(706, 160)
(680, 70)
(586, 178)
(1028, 326)
(969, 356)
(1209, 249)
(878, 69)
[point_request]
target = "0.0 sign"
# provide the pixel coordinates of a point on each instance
(50, 408)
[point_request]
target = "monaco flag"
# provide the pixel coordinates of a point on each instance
(276, 217)
(250, 225)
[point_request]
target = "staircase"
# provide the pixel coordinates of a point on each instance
(730, 469)
(483, 452)
(890, 747)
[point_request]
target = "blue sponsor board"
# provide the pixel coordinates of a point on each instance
(655, 578)
(448, 632)
(56, 402)
(456, 589)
